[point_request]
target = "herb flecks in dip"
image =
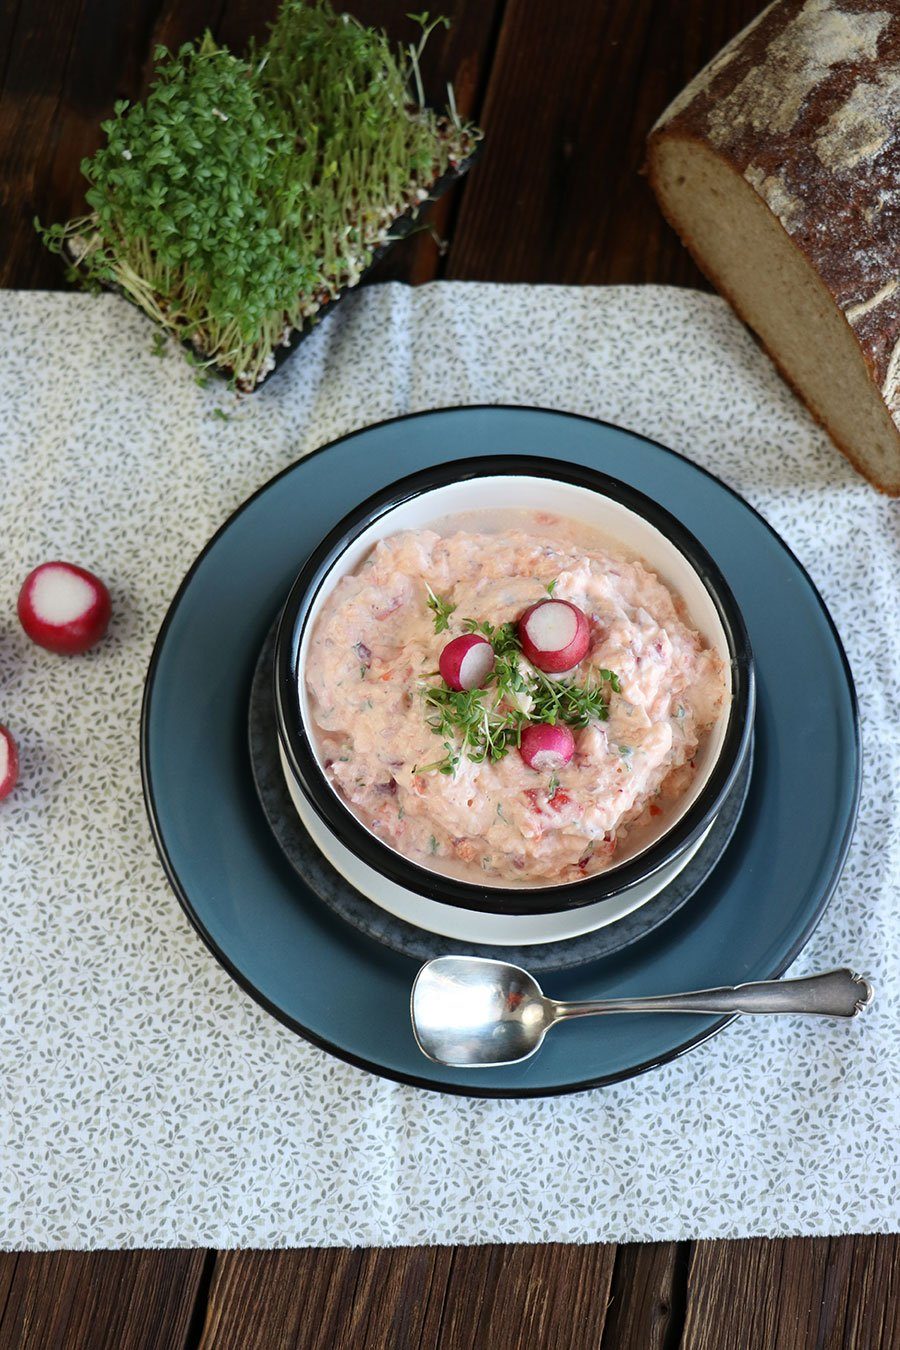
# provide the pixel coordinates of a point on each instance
(374, 658)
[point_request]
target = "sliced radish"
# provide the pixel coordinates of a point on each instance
(466, 662)
(9, 763)
(555, 635)
(546, 748)
(64, 608)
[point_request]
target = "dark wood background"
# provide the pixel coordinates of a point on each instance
(566, 91)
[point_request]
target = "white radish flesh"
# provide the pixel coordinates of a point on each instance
(9, 763)
(64, 608)
(466, 662)
(555, 636)
(546, 748)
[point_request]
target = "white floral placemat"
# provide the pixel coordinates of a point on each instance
(144, 1099)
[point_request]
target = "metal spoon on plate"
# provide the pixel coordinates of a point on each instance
(470, 1012)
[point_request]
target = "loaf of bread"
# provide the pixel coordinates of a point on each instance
(779, 166)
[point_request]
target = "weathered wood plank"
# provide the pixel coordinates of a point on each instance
(100, 1300)
(543, 1297)
(8, 1261)
(646, 1301)
(326, 1299)
(761, 1292)
(572, 94)
(860, 1307)
(40, 47)
(794, 1294)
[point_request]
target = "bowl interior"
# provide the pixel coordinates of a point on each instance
(621, 528)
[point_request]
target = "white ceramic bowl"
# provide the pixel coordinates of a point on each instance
(644, 530)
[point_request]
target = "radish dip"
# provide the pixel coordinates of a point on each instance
(412, 759)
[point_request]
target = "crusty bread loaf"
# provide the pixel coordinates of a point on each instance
(779, 166)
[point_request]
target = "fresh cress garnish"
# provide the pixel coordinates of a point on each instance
(575, 704)
(441, 609)
(485, 724)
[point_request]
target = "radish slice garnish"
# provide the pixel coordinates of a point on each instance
(546, 748)
(64, 608)
(466, 662)
(9, 763)
(555, 635)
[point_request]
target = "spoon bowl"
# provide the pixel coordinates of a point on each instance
(470, 1010)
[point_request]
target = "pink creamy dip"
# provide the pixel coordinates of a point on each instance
(502, 822)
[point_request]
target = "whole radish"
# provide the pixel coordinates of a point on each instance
(546, 748)
(466, 662)
(64, 608)
(9, 763)
(555, 635)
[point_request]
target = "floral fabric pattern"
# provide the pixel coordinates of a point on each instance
(145, 1100)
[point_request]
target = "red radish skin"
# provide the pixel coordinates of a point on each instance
(555, 636)
(9, 763)
(466, 662)
(545, 748)
(64, 608)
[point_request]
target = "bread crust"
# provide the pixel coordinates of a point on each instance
(804, 105)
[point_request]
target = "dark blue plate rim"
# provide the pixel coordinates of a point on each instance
(396, 1075)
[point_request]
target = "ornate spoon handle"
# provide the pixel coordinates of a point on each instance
(837, 993)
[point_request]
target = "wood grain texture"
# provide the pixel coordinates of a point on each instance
(790, 1294)
(756, 1288)
(647, 1294)
(573, 91)
(326, 1299)
(861, 1294)
(99, 1300)
(499, 1296)
(543, 1297)
(8, 1262)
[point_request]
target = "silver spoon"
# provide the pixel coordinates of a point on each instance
(470, 1013)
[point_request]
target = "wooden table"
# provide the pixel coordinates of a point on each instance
(567, 92)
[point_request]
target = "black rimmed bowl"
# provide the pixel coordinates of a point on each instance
(632, 520)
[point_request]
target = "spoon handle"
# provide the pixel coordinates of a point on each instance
(837, 993)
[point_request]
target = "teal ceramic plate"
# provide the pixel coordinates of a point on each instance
(346, 992)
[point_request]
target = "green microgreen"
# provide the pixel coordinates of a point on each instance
(555, 700)
(245, 193)
(441, 609)
(552, 586)
(480, 727)
(553, 787)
